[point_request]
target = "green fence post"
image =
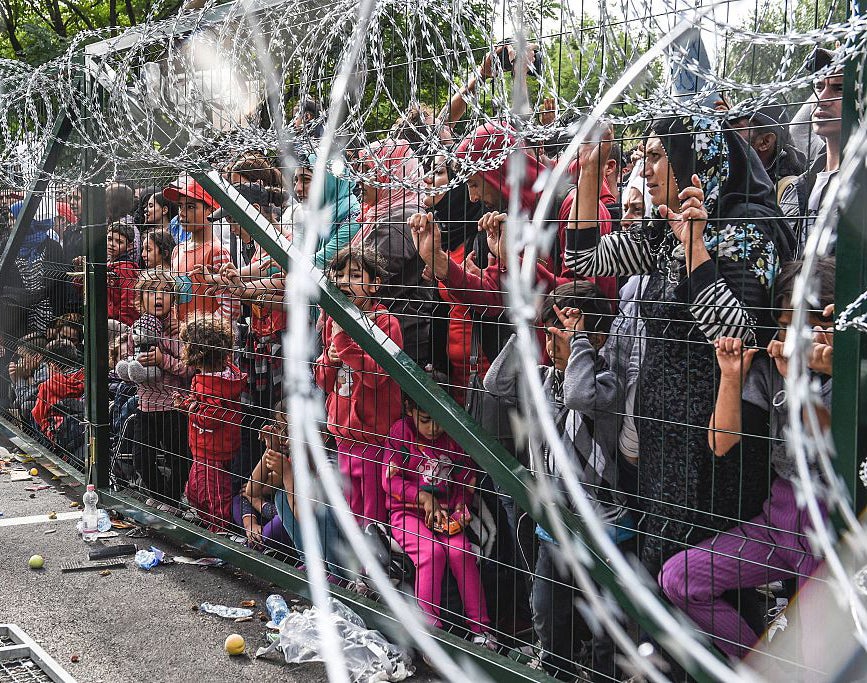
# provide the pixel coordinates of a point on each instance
(96, 322)
(849, 409)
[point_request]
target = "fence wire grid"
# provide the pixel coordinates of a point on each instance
(517, 319)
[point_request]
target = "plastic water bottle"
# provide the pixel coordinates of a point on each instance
(90, 516)
(277, 608)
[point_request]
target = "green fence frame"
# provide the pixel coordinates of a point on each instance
(850, 411)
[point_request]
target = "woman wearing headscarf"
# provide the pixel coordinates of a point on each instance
(458, 218)
(385, 230)
(338, 198)
(479, 283)
(711, 251)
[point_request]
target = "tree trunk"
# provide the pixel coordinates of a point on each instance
(130, 12)
(57, 24)
(112, 14)
(8, 16)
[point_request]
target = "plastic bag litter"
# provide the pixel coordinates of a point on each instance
(369, 656)
(201, 562)
(225, 612)
(148, 559)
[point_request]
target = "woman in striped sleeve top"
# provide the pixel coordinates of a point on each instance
(711, 250)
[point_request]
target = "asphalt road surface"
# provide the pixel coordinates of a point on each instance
(130, 625)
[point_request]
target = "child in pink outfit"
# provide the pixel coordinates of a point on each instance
(429, 482)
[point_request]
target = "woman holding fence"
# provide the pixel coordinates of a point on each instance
(390, 195)
(711, 251)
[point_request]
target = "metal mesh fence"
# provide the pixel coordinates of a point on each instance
(649, 303)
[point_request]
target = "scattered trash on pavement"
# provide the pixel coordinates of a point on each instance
(79, 566)
(225, 612)
(20, 475)
(369, 656)
(201, 562)
(148, 559)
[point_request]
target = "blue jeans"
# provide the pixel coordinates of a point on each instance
(331, 541)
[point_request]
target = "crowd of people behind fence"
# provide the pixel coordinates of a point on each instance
(662, 311)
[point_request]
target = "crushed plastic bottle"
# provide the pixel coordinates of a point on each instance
(103, 521)
(90, 515)
(225, 612)
(277, 609)
(148, 559)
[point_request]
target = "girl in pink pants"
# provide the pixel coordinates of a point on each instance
(429, 484)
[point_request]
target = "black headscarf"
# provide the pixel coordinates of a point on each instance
(457, 216)
(736, 186)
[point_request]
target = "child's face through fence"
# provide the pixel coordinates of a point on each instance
(301, 183)
(193, 215)
(156, 300)
(425, 425)
(356, 284)
(28, 360)
(557, 346)
(116, 245)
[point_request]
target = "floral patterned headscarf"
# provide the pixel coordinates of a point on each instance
(739, 197)
(695, 145)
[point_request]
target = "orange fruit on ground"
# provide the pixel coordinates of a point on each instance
(235, 644)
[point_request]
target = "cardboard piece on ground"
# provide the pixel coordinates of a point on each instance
(20, 475)
(55, 471)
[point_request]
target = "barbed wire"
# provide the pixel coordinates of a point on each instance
(173, 93)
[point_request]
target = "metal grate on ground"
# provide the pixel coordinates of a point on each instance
(23, 661)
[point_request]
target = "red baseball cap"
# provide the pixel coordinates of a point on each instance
(186, 186)
(65, 211)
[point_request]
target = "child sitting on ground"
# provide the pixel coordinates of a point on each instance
(362, 400)
(583, 395)
(254, 507)
(156, 367)
(26, 373)
(214, 417)
(430, 483)
(773, 545)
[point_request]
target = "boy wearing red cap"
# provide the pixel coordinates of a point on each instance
(198, 255)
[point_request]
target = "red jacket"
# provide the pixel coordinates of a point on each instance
(362, 402)
(53, 390)
(214, 405)
(608, 285)
(121, 291)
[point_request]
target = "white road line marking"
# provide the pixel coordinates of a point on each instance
(38, 519)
